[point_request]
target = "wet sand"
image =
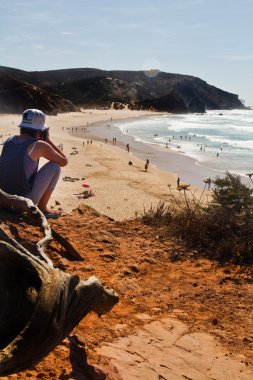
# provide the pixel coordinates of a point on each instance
(165, 159)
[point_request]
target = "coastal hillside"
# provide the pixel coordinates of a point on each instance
(18, 94)
(69, 89)
(178, 316)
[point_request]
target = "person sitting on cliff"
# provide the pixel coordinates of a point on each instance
(19, 162)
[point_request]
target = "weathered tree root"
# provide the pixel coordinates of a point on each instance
(40, 305)
(71, 251)
(18, 204)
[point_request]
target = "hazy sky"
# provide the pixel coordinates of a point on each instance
(210, 39)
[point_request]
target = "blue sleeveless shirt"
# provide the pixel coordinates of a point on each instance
(14, 160)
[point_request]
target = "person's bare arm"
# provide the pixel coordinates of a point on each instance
(54, 146)
(49, 151)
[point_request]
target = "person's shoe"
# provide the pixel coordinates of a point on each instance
(53, 214)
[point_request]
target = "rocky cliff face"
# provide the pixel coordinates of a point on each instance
(16, 95)
(66, 90)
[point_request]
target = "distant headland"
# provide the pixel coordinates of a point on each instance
(72, 89)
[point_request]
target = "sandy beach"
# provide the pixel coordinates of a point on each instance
(121, 191)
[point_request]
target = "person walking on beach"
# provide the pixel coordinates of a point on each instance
(178, 181)
(127, 147)
(146, 164)
(20, 159)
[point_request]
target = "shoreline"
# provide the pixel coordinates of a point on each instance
(121, 191)
(199, 165)
(177, 163)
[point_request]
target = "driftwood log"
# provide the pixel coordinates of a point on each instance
(40, 304)
(17, 204)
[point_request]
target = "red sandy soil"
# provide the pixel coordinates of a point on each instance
(153, 276)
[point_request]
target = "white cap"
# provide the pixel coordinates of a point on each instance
(33, 119)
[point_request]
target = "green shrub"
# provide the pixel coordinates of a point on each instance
(221, 229)
(229, 192)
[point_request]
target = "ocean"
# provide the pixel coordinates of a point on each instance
(219, 140)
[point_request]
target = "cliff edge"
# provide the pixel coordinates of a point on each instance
(178, 316)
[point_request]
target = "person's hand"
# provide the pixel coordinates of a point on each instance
(47, 139)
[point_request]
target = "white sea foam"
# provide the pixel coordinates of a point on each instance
(222, 140)
(247, 144)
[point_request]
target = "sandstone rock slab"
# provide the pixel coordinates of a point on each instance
(166, 350)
